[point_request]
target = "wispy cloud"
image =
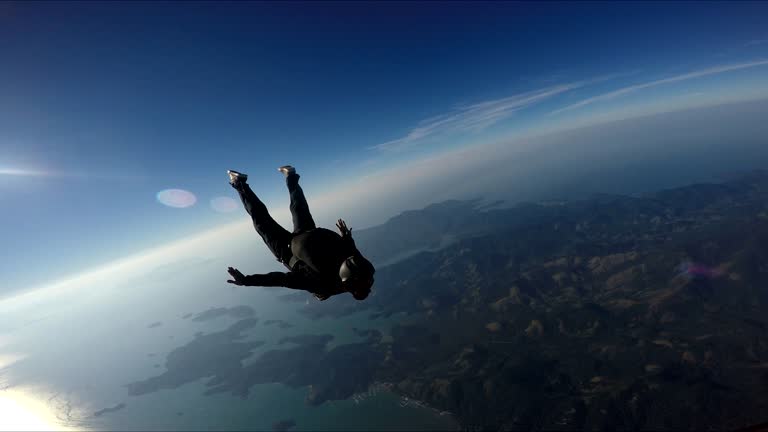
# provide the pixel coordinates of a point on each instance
(23, 172)
(475, 117)
(633, 88)
(754, 42)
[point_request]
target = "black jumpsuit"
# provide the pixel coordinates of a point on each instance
(313, 255)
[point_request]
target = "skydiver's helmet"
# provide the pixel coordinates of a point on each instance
(357, 274)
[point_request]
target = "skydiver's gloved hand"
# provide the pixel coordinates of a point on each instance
(342, 226)
(237, 277)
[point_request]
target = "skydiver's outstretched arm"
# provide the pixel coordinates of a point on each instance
(288, 280)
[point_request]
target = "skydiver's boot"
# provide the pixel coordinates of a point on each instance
(290, 174)
(287, 170)
(236, 179)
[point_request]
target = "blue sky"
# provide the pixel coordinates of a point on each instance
(103, 105)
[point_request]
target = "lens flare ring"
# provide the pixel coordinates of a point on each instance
(177, 198)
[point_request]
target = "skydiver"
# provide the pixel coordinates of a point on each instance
(320, 261)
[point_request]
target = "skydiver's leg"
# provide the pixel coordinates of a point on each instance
(275, 236)
(302, 219)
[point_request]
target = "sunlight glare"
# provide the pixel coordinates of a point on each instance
(23, 413)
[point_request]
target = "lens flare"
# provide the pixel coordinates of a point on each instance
(178, 198)
(223, 204)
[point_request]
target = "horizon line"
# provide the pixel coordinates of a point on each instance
(134, 258)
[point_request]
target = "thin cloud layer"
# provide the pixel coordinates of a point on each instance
(475, 117)
(690, 75)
